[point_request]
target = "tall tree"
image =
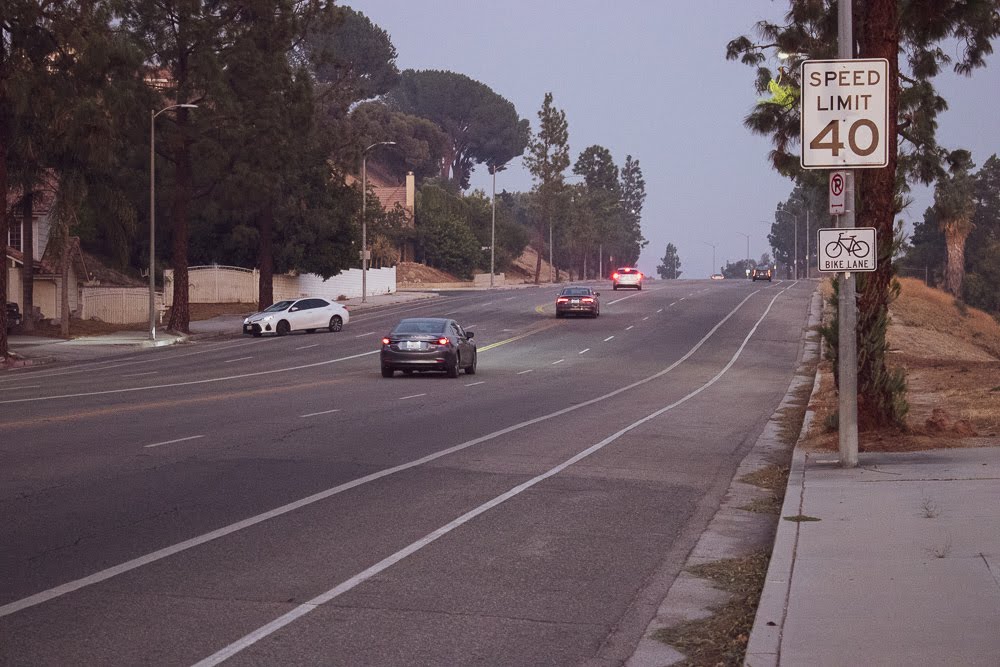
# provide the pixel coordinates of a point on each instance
(547, 159)
(883, 29)
(955, 207)
(185, 41)
(603, 197)
(483, 126)
(670, 266)
(633, 192)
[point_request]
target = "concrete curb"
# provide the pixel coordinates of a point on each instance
(764, 646)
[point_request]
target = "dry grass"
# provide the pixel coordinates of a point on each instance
(949, 354)
(721, 639)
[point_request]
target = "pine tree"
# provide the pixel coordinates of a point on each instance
(547, 159)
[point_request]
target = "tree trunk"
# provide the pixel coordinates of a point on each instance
(954, 274)
(446, 161)
(180, 311)
(877, 193)
(4, 229)
(265, 260)
(28, 271)
(64, 260)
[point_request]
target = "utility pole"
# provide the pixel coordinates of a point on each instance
(847, 354)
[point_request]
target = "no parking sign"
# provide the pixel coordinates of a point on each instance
(838, 189)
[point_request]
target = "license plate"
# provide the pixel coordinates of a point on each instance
(575, 301)
(411, 345)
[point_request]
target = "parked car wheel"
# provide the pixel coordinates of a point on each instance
(283, 328)
(336, 324)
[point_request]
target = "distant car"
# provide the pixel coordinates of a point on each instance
(718, 276)
(13, 315)
(627, 276)
(307, 314)
(761, 273)
(578, 301)
(428, 344)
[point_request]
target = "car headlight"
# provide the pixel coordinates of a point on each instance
(246, 320)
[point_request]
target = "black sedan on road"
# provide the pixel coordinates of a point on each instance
(578, 301)
(761, 273)
(428, 344)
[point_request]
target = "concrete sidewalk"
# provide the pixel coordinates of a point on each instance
(36, 350)
(895, 562)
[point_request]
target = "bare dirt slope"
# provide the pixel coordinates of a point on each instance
(950, 354)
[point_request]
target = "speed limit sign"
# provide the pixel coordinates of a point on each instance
(845, 113)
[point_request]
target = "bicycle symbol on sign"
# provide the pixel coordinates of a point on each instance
(850, 243)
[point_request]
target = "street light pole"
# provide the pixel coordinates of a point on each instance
(364, 225)
(747, 265)
(152, 212)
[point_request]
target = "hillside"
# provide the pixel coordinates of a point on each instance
(951, 357)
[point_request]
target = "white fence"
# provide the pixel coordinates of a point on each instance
(232, 284)
(117, 305)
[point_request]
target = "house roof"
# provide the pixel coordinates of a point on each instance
(45, 196)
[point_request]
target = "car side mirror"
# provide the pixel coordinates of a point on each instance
(292, 310)
(469, 334)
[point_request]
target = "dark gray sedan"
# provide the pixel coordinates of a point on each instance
(428, 344)
(578, 301)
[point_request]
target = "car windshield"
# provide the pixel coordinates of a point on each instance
(277, 307)
(576, 291)
(416, 326)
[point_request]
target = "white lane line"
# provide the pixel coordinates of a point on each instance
(316, 414)
(510, 298)
(682, 298)
(475, 383)
(367, 333)
(413, 396)
(135, 375)
(527, 371)
(644, 319)
(141, 561)
(558, 362)
(608, 338)
(384, 564)
(306, 347)
(586, 349)
(229, 361)
(26, 386)
(193, 382)
(105, 365)
(629, 327)
(170, 442)
(659, 311)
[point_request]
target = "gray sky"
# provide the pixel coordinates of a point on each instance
(650, 79)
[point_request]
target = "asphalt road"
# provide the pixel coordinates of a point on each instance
(276, 501)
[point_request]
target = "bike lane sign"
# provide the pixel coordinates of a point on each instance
(847, 249)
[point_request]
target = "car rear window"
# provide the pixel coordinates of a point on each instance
(420, 327)
(576, 291)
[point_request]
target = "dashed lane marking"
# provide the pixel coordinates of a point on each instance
(317, 414)
(170, 442)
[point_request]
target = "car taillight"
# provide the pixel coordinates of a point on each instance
(587, 299)
(614, 275)
(443, 341)
(386, 341)
(562, 299)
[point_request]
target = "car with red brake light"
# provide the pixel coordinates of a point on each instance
(578, 301)
(420, 344)
(761, 272)
(627, 276)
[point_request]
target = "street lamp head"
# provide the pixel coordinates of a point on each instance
(380, 143)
